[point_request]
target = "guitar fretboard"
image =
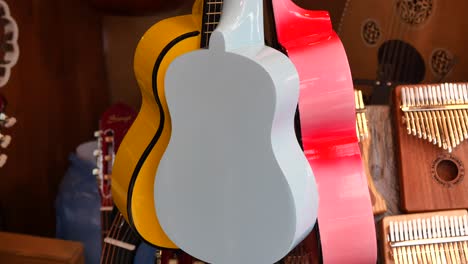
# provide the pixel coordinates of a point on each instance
(120, 243)
(211, 15)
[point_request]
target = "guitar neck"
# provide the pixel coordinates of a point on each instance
(211, 15)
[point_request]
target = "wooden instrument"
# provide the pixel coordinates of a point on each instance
(137, 7)
(391, 42)
(379, 205)
(435, 237)
(431, 124)
(5, 122)
(144, 144)
(233, 161)
(328, 132)
(9, 50)
(113, 125)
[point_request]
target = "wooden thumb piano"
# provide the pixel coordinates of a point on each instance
(431, 127)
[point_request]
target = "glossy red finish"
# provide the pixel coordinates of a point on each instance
(328, 127)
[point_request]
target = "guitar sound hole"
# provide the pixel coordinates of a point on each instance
(447, 170)
(400, 62)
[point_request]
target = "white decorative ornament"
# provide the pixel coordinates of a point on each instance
(9, 43)
(233, 185)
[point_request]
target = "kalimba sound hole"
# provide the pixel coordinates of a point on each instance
(447, 170)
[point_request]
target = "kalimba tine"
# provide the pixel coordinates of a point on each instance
(378, 203)
(436, 237)
(431, 127)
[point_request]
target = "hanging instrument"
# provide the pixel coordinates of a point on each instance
(393, 42)
(113, 125)
(328, 132)
(233, 168)
(138, 157)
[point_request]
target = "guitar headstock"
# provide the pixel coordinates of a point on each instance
(5, 123)
(113, 126)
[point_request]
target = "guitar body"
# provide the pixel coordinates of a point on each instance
(418, 41)
(328, 129)
(233, 168)
(138, 156)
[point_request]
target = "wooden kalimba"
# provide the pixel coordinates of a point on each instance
(379, 205)
(431, 128)
(436, 237)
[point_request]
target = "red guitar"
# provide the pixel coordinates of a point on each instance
(113, 125)
(5, 122)
(328, 130)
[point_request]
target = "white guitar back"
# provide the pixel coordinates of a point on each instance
(233, 185)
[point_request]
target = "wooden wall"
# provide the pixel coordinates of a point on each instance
(57, 91)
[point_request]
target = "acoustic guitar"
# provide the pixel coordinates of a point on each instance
(233, 168)
(392, 42)
(138, 157)
(5, 122)
(328, 131)
(113, 125)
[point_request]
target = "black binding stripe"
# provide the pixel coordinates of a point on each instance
(158, 133)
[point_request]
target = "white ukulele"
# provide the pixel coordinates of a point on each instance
(234, 185)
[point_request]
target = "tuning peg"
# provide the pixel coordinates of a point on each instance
(5, 140)
(97, 152)
(3, 160)
(97, 133)
(10, 121)
(95, 171)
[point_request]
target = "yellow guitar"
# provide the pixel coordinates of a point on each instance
(139, 154)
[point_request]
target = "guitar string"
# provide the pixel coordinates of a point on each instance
(387, 52)
(401, 55)
(134, 240)
(404, 55)
(119, 237)
(394, 47)
(113, 235)
(107, 187)
(107, 247)
(102, 215)
(106, 200)
(127, 238)
(207, 24)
